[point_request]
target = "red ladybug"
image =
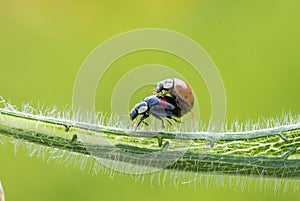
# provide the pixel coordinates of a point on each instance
(178, 89)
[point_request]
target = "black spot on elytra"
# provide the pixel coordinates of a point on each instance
(190, 92)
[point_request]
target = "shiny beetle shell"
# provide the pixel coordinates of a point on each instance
(180, 90)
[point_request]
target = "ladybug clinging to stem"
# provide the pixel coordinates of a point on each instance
(173, 99)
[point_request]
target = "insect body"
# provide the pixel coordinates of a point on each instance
(180, 90)
(158, 106)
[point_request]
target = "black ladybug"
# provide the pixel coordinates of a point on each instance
(158, 106)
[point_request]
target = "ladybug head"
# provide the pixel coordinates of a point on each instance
(166, 84)
(139, 108)
(159, 87)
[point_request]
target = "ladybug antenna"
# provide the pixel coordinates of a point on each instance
(133, 122)
(153, 91)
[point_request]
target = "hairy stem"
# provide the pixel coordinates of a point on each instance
(272, 152)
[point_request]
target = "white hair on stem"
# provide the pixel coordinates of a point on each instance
(263, 155)
(1, 193)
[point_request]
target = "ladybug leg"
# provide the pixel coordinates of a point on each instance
(174, 128)
(145, 116)
(145, 123)
(175, 119)
(169, 120)
(162, 121)
(193, 117)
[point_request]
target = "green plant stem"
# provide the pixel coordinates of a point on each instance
(272, 152)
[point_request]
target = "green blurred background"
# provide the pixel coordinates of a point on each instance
(255, 45)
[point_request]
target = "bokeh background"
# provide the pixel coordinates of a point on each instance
(255, 45)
